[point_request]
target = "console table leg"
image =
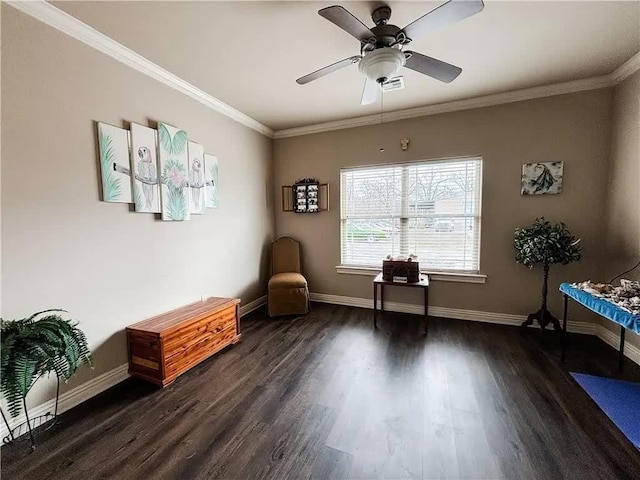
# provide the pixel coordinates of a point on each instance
(563, 340)
(426, 310)
(621, 352)
(381, 297)
(375, 306)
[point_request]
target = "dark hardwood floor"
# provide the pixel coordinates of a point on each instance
(326, 396)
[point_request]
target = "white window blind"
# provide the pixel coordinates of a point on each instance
(429, 208)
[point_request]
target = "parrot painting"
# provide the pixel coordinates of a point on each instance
(196, 180)
(147, 171)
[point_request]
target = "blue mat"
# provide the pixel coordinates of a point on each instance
(620, 400)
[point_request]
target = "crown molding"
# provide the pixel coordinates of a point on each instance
(455, 106)
(625, 70)
(62, 21)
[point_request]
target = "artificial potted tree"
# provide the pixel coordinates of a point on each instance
(41, 344)
(546, 244)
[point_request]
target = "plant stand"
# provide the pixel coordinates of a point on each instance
(543, 316)
(31, 427)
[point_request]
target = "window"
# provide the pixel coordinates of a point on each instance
(429, 208)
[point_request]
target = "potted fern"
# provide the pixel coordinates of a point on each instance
(546, 244)
(41, 344)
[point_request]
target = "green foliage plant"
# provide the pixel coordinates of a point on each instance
(43, 343)
(546, 244)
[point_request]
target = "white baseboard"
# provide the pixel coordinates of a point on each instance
(251, 306)
(97, 385)
(73, 397)
(607, 336)
(446, 312)
(632, 352)
(107, 380)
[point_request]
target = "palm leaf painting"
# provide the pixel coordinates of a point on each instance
(173, 146)
(179, 143)
(176, 205)
(139, 200)
(197, 179)
(213, 190)
(111, 188)
(174, 174)
(211, 177)
(144, 165)
(115, 163)
(175, 180)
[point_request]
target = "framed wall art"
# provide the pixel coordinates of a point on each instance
(196, 179)
(211, 178)
(113, 144)
(144, 160)
(542, 178)
(174, 164)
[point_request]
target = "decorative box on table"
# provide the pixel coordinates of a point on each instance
(400, 271)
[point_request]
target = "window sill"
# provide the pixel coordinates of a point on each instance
(434, 276)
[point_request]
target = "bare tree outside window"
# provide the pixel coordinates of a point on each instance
(429, 208)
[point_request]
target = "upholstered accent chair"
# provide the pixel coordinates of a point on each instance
(288, 293)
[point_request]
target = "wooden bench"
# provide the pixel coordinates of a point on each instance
(164, 347)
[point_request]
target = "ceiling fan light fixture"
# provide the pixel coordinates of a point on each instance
(381, 64)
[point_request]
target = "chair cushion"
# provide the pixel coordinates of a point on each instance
(287, 280)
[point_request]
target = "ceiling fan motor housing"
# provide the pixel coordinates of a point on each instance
(381, 15)
(381, 64)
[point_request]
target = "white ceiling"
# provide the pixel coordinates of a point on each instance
(248, 54)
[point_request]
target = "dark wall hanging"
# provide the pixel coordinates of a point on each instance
(307, 195)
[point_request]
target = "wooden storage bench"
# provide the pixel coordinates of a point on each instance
(164, 347)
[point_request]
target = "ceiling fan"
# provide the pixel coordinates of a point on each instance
(382, 51)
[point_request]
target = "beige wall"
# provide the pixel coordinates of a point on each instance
(573, 128)
(110, 267)
(623, 212)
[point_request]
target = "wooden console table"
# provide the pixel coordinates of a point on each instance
(423, 284)
(164, 347)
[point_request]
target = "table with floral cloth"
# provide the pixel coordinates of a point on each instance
(620, 305)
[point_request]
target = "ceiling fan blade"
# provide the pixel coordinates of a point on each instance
(328, 69)
(344, 19)
(443, 71)
(371, 92)
(450, 12)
